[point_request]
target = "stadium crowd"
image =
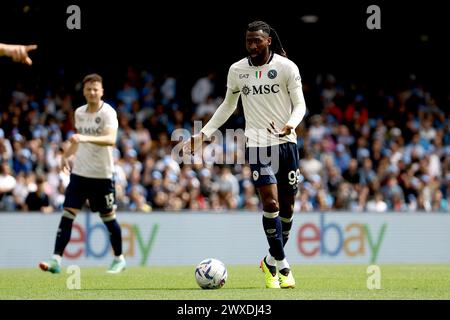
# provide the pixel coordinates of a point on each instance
(361, 150)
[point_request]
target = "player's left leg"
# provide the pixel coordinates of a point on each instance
(288, 178)
(104, 202)
(286, 214)
(286, 204)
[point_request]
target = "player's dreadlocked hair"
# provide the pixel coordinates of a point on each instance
(276, 45)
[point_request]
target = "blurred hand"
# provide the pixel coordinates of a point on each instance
(194, 144)
(65, 165)
(286, 130)
(77, 138)
(19, 53)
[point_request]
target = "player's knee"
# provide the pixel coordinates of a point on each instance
(271, 205)
(286, 211)
(70, 213)
(107, 216)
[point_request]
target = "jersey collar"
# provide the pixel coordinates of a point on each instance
(268, 60)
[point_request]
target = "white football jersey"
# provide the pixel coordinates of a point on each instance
(265, 97)
(91, 160)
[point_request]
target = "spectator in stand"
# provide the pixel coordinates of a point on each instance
(342, 157)
(405, 135)
(38, 200)
(128, 95)
(206, 109)
(7, 184)
(377, 204)
(203, 88)
(6, 150)
(317, 130)
(168, 89)
(309, 165)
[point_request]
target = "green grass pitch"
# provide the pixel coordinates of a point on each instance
(244, 282)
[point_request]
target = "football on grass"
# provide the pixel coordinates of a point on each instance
(211, 274)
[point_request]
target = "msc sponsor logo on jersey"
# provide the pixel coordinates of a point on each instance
(97, 120)
(245, 90)
(90, 131)
(260, 89)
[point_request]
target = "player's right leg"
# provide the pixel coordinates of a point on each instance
(74, 199)
(62, 239)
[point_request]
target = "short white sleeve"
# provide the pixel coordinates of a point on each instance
(232, 83)
(293, 76)
(111, 119)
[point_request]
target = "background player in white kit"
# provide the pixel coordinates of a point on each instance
(271, 91)
(91, 177)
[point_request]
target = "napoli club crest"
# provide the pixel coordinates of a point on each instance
(272, 74)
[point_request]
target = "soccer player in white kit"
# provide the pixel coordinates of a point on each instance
(272, 97)
(91, 177)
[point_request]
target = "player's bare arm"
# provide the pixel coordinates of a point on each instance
(223, 112)
(65, 165)
(107, 139)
